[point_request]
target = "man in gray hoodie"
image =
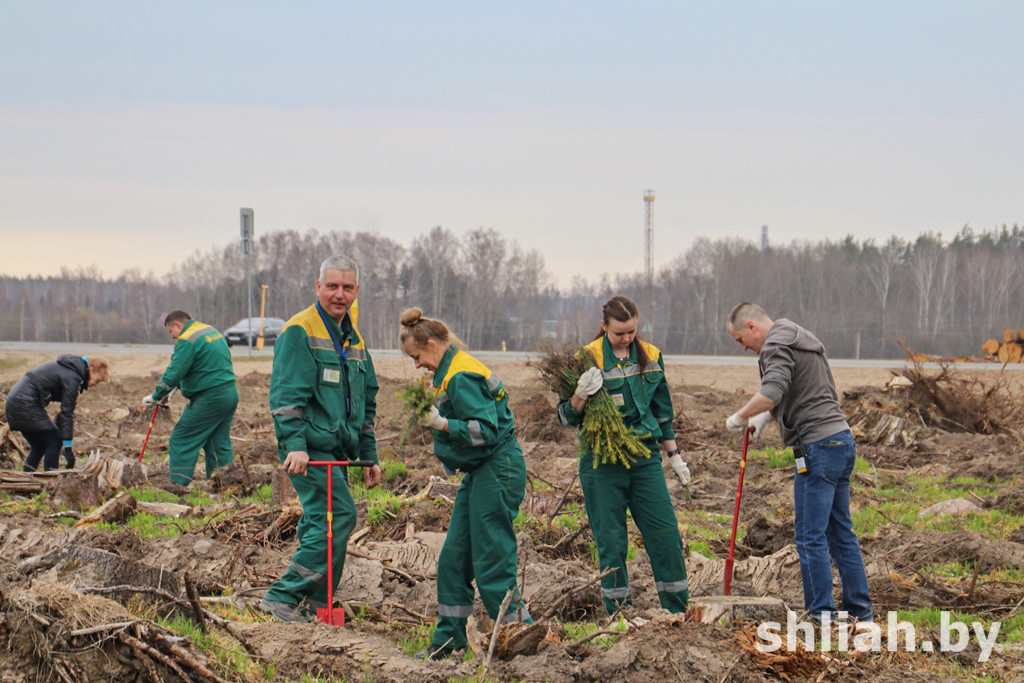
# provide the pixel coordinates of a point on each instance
(797, 390)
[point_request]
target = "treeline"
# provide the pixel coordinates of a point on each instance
(942, 297)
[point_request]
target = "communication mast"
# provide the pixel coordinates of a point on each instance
(648, 236)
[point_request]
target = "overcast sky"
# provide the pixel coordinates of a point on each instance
(132, 132)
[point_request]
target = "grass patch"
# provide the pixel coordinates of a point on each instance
(708, 526)
(393, 470)
(901, 501)
(418, 639)
(774, 458)
(578, 630)
(225, 651)
(261, 495)
(570, 520)
(702, 548)
(198, 498)
(631, 552)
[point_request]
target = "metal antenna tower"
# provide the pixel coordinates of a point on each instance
(648, 236)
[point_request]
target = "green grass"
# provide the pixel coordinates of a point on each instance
(261, 495)
(901, 501)
(197, 498)
(228, 652)
(393, 470)
(578, 630)
(631, 552)
(774, 459)
(418, 639)
(570, 520)
(703, 548)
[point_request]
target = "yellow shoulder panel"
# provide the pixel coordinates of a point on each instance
(596, 349)
(652, 351)
(463, 362)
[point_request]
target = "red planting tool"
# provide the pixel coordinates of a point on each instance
(736, 512)
(331, 614)
(152, 418)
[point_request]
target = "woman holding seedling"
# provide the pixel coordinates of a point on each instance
(633, 373)
(473, 434)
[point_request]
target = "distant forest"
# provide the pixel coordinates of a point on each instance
(941, 297)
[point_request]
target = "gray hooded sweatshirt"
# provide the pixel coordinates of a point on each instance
(796, 376)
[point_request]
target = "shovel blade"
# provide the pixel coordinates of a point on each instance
(335, 616)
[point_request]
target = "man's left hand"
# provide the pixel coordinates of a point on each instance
(372, 476)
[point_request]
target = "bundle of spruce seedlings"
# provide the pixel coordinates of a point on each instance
(417, 397)
(602, 433)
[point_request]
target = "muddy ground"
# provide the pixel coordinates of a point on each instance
(56, 630)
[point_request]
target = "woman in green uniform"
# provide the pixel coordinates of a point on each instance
(473, 434)
(633, 372)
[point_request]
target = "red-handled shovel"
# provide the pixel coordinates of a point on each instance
(152, 418)
(331, 614)
(736, 512)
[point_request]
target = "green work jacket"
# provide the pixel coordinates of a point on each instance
(319, 402)
(201, 360)
(475, 404)
(641, 394)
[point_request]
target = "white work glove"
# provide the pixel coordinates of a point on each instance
(735, 423)
(433, 420)
(758, 423)
(589, 383)
(148, 400)
(680, 468)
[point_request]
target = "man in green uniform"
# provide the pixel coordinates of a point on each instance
(323, 396)
(201, 367)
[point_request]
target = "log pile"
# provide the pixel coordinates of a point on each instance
(1009, 350)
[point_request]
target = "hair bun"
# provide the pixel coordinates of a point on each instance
(411, 317)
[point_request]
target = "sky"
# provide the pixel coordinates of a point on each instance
(132, 132)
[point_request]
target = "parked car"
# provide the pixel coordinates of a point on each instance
(239, 332)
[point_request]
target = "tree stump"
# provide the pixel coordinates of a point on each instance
(118, 508)
(731, 609)
(281, 490)
(77, 490)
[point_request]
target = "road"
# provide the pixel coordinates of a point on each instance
(57, 348)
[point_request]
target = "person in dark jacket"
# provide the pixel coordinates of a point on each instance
(59, 380)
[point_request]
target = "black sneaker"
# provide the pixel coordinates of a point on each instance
(437, 652)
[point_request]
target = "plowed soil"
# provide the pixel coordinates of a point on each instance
(389, 583)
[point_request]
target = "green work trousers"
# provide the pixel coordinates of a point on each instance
(608, 491)
(481, 545)
(306, 576)
(204, 424)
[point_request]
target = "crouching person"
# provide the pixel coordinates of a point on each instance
(473, 434)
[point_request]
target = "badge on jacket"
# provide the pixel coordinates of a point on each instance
(332, 375)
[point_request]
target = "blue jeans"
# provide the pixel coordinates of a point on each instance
(823, 527)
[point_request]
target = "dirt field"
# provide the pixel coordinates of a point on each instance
(62, 618)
